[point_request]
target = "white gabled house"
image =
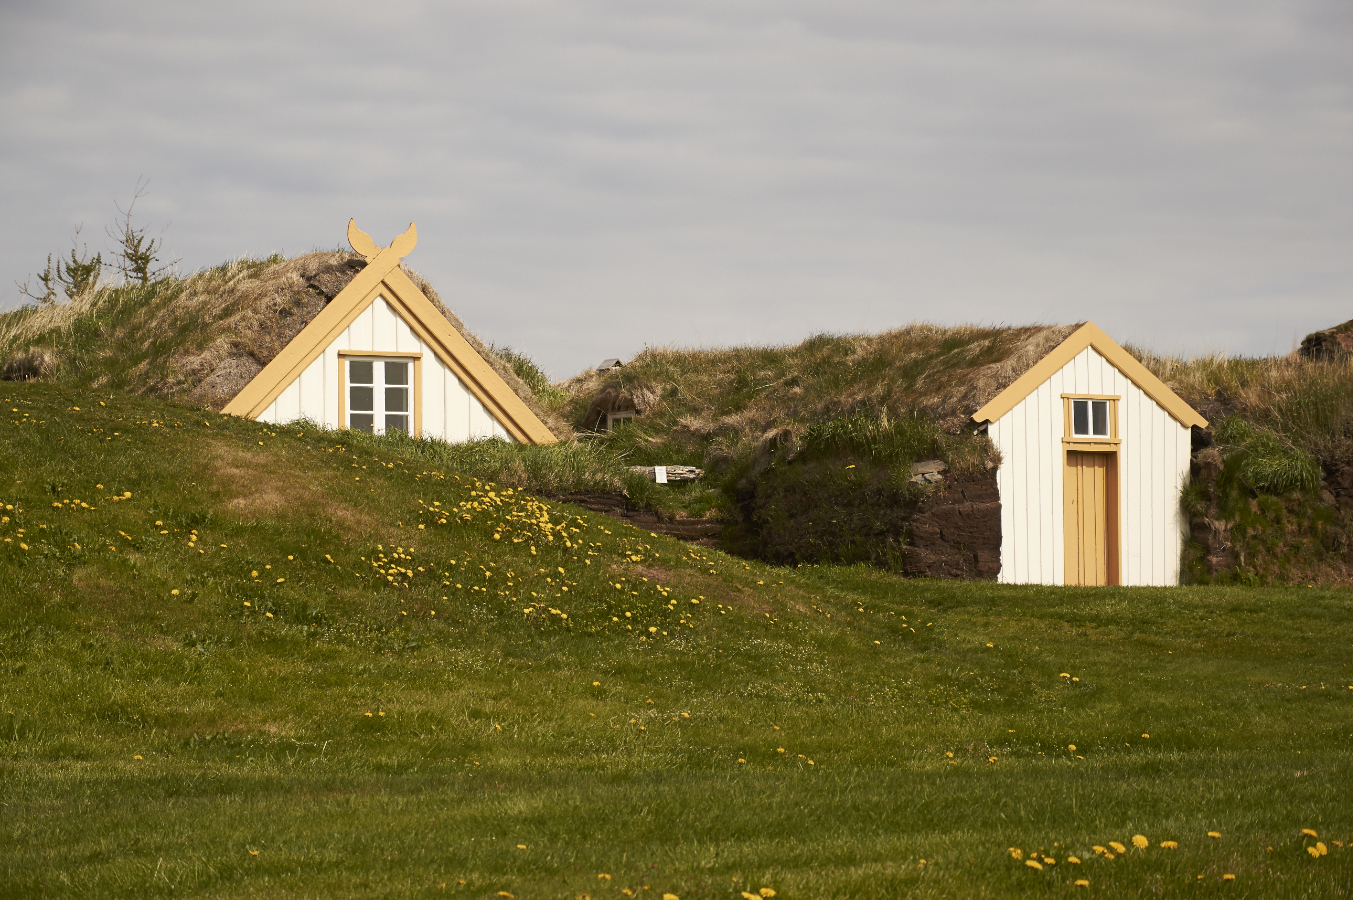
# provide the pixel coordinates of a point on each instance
(382, 358)
(1095, 452)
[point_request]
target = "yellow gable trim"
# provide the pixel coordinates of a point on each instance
(382, 277)
(314, 338)
(452, 349)
(1090, 335)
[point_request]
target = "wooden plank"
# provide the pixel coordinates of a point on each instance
(1071, 517)
(1047, 474)
(1000, 435)
(384, 325)
(1019, 465)
(360, 331)
(1056, 459)
(332, 390)
(1112, 550)
(418, 396)
(312, 390)
(458, 400)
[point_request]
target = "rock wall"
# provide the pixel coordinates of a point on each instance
(956, 532)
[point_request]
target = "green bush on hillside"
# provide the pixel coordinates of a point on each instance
(1262, 460)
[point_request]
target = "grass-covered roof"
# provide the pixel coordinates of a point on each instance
(202, 338)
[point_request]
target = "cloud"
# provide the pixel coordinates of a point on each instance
(589, 178)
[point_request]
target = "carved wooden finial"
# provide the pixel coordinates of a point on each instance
(361, 241)
(363, 244)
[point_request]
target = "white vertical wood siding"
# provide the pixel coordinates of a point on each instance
(450, 411)
(1153, 466)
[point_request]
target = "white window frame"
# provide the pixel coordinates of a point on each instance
(415, 388)
(1103, 441)
(615, 418)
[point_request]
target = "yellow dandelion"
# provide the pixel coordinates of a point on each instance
(748, 895)
(1320, 845)
(1228, 877)
(521, 846)
(1071, 747)
(137, 756)
(1048, 860)
(1309, 832)
(602, 876)
(1064, 675)
(1169, 845)
(1140, 842)
(1082, 882)
(670, 897)
(1214, 834)
(1074, 860)
(1314, 852)
(1117, 847)
(767, 892)
(174, 592)
(741, 760)
(1034, 864)
(253, 853)
(1016, 853)
(1098, 849)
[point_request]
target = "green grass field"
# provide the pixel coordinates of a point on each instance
(245, 661)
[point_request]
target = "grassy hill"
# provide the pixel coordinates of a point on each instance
(1272, 498)
(243, 661)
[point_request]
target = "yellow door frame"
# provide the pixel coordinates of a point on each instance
(1073, 514)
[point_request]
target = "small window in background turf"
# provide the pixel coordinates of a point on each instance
(378, 395)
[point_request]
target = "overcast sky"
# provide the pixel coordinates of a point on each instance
(592, 177)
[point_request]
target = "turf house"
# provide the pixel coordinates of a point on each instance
(1095, 452)
(381, 357)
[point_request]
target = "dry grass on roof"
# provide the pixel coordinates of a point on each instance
(945, 373)
(199, 339)
(1308, 401)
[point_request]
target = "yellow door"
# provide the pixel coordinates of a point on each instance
(1091, 518)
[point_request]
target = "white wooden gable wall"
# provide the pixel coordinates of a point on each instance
(1153, 468)
(450, 411)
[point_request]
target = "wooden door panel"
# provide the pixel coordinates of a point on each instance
(1090, 518)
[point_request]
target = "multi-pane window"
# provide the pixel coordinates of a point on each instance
(1090, 418)
(378, 395)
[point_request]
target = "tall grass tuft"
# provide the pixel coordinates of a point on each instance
(562, 468)
(891, 442)
(530, 374)
(1263, 460)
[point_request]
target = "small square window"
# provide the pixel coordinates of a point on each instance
(1090, 418)
(379, 395)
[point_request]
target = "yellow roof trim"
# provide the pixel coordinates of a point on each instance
(383, 277)
(472, 369)
(1090, 335)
